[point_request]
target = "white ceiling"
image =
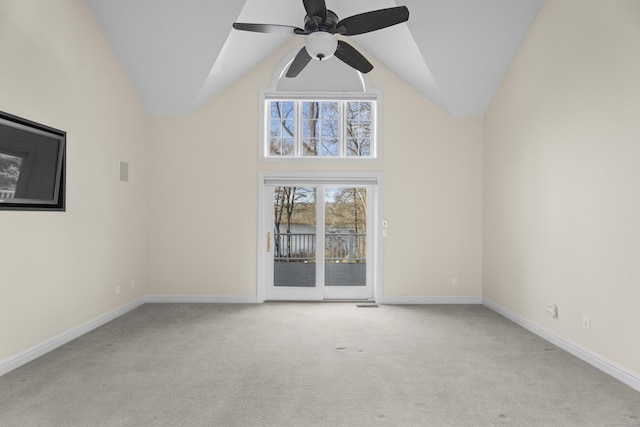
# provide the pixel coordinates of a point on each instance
(180, 54)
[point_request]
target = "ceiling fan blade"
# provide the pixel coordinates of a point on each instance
(316, 8)
(372, 21)
(268, 28)
(350, 56)
(299, 62)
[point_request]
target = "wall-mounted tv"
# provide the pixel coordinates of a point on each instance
(32, 165)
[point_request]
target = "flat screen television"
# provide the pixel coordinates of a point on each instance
(32, 165)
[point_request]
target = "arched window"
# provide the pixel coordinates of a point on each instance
(326, 112)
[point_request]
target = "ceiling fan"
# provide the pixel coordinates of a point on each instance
(320, 27)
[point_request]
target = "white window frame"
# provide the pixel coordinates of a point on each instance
(376, 146)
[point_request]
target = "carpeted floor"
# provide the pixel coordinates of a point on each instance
(306, 364)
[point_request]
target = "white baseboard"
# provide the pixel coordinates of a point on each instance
(430, 300)
(45, 347)
(205, 299)
(618, 372)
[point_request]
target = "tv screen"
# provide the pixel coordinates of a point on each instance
(32, 165)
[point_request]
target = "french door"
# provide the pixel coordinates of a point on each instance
(318, 241)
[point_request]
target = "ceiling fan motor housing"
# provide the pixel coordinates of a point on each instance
(315, 23)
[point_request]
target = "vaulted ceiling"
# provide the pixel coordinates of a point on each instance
(180, 54)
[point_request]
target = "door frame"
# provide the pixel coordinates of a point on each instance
(369, 179)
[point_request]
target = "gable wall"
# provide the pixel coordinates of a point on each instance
(205, 243)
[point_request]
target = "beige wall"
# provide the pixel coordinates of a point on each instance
(60, 269)
(562, 177)
(204, 193)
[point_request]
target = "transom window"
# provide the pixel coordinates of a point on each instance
(319, 128)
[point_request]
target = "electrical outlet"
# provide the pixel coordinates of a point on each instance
(454, 281)
(552, 310)
(586, 323)
(133, 284)
(117, 290)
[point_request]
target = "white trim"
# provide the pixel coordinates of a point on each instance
(201, 299)
(283, 66)
(430, 300)
(320, 178)
(51, 344)
(261, 256)
(620, 373)
(377, 245)
(370, 95)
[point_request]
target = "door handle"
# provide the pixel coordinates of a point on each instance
(268, 241)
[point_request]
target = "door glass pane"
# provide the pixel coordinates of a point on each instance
(345, 236)
(294, 237)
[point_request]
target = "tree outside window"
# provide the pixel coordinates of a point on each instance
(325, 129)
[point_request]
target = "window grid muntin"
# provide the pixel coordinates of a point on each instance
(343, 150)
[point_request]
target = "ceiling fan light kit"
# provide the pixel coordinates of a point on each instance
(321, 45)
(321, 26)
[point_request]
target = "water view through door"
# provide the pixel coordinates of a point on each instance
(294, 237)
(319, 243)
